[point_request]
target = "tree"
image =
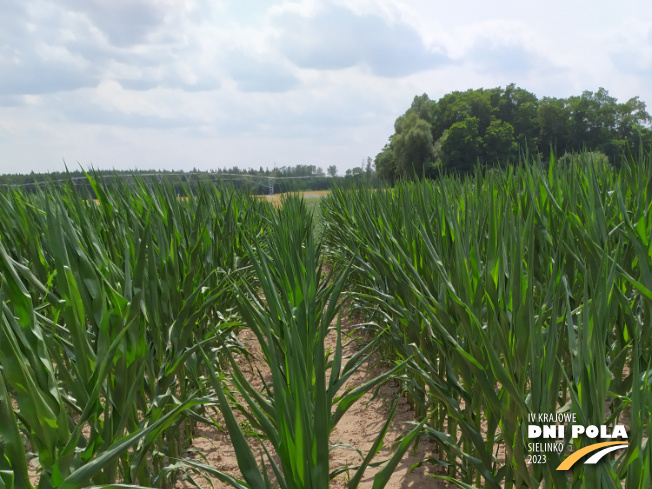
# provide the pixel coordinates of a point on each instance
(332, 171)
(386, 165)
(457, 106)
(499, 143)
(368, 168)
(354, 172)
(519, 107)
(631, 117)
(422, 106)
(438, 152)
(412, 145)
(462, 146)
(553, 120)
(593, 119)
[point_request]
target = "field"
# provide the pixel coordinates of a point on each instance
(136, 328)
(310, 196)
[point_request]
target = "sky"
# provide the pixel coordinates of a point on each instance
(184, 84)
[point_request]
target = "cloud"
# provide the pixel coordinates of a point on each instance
(511, 59)
(336, 38)
(633, 53)
(187, 75)
(633, 64)
(50, 47)
(124, 22)
(255, 75)
(112, 105)
(99, 116)
(141, 84)
(33, 59)
(11, 101)
(34, 74)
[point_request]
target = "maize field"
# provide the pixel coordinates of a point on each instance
(513, 292)
(489, 298)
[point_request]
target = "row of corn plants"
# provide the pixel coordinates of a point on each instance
(291, 309)
(512, 292)
(106, 309)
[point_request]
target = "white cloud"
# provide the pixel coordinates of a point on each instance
(129, 22)
(334, 38)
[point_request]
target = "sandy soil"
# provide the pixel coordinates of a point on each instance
(358, 427)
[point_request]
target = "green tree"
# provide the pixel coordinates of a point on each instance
(462, 146)
(438, 153)
(629, 115)
(593, 119)
(499, 143)
(332, 171)
(553, 120)
(423, 106)
(631, 118)
(385, 162)
(457, 106)
(354, 172)
(412, 145)
(519, 108)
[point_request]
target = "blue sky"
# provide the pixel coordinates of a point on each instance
(182, 84)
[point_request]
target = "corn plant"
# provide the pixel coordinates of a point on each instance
(290, 310)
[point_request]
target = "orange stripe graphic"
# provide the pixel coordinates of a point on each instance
(575, 456)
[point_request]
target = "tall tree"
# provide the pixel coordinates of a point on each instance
(631, 119)
(368, 170)
(423, 106)
(553, 120)
(412, 145)
(462, 145)
(519, 107)
(499, 143)
(457, 106)
(386, 164)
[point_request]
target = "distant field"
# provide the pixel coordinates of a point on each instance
(310, 194)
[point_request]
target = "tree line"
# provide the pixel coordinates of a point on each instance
(262, 181)
(499, 125)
